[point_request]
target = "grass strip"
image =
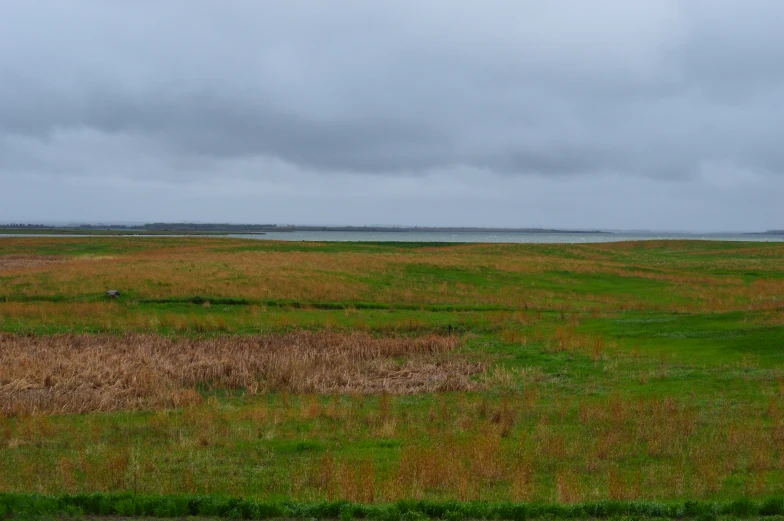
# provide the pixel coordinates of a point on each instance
(22, 505)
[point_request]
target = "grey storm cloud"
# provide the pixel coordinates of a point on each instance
(651, 88)
(556, 113)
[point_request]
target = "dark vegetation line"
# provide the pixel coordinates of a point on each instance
(261, 228)
(275, 303)
(112, 232)
(298, 304)
(19, 505)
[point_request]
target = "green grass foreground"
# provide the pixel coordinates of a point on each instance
(23, 506)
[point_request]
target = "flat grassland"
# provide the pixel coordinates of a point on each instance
(378, 372)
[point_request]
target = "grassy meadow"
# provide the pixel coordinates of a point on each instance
(380, 372)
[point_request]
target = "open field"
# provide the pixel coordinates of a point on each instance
(374, 373)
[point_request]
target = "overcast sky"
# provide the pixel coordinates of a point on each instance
(552, 113)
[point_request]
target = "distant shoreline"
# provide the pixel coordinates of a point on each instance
(769, 232)
(378, 234)
(220, 229)
(114, 232)
(409, 229)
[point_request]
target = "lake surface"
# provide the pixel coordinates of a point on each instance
(468, 237)
(521, 237)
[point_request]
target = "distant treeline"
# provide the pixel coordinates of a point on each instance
(203, 227)
(302, 228)
(261, 228)
(769, 232)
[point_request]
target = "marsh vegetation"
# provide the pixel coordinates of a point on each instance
(380, 372)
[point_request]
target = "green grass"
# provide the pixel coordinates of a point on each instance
(651, 370)
(709, 339)
(32, 505)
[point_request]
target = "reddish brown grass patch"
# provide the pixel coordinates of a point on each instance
(17, 262)
(81, 373)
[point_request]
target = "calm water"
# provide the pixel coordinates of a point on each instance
(465, 236)
(499, 237)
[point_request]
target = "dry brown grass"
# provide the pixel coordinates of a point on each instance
(80, 373)
(20, 262)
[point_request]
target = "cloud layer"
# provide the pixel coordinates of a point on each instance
(468, 102)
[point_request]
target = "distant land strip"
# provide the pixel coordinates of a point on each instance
(224, 228)
(769, 232)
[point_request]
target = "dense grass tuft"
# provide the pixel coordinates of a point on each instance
(34, 505)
